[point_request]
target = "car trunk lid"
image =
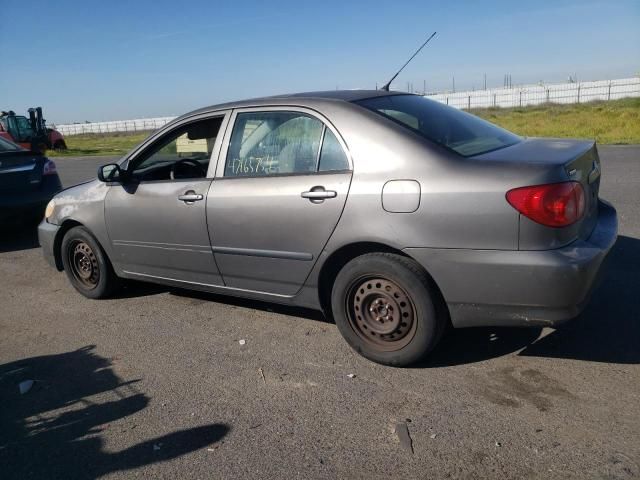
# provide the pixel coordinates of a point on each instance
(21, 170)
(556, 160)
(585, 168)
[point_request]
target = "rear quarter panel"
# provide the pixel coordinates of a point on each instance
(462, 203)
(462, 200)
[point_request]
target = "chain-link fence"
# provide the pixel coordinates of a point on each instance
(518, 96)
(522, 96)
(141, 124)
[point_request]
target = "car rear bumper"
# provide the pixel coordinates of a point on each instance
(47, 237)
(520, 288)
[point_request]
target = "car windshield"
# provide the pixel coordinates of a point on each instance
(6, 146)
(454, 129)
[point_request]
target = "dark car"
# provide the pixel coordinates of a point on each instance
(28, 180)
(393, 214)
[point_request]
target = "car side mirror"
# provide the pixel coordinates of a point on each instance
(110, 172)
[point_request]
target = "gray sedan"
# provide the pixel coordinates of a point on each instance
(393, 214)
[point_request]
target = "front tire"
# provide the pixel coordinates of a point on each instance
(383, 306)
(86, 264)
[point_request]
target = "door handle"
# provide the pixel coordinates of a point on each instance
(319, 193)
(190, 197)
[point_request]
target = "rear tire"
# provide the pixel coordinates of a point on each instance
(60, 145)
(86, 264)
(383, 306)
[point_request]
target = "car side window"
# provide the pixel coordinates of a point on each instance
(181, 154)
(332, 156)
(278, 143)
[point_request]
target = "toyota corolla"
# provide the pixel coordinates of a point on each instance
(393, 214)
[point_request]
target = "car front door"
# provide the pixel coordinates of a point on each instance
(156, 218)
(280, 188)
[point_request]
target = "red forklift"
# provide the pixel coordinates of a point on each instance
(30, 133)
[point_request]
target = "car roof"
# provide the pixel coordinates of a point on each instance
(304, 99)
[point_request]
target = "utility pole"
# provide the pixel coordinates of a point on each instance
(424, 87)
(454, 84)
(485, 81)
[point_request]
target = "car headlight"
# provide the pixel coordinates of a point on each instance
(51, 206)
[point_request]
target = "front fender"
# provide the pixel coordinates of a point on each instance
(83, 204)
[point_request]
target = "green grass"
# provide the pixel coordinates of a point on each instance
(614, 122)
(100, 144)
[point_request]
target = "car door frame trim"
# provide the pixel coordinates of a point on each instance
(224, 150)
(179, 123)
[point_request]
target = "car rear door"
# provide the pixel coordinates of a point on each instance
(280, 188)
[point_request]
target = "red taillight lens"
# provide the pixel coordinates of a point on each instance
(553, 205)
(49, 168)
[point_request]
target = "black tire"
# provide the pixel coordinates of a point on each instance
(86, 264)
(384, 307)
(60, 145)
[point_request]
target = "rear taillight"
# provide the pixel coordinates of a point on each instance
(553, 205)
(49, 168)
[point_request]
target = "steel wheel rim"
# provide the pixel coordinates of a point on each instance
(83, 264)
(381, 313)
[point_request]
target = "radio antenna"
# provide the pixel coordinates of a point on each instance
(388, 84)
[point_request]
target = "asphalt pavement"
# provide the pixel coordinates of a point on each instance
(156, 383)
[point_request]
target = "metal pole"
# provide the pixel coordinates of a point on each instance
(578, 93)
(609, 92)
(469, 102)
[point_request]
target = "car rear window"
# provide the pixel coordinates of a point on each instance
(454, 129)
(6, 146)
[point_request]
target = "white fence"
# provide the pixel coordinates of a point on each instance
(524, 95)
(519, 96)
(141, 124)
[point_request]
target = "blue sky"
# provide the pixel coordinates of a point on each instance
(107, 60)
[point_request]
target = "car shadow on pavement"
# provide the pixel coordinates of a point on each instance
(608, 330)
(54, 430)
(133, 289)
(18, 236)
(470, 345)
(288, 310)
